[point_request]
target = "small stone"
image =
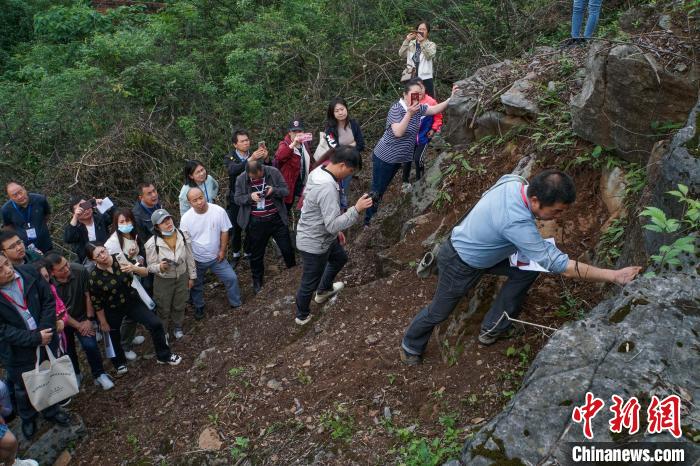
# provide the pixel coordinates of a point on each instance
(371, 340)
(551, 86)
(63, 459)
(276, 314)
(387, 413)
(209, 440)
(478, 420)
(665, 22)
(274, 384)
(307, 363)
(479, 362)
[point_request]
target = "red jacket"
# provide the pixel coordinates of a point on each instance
(289, 164)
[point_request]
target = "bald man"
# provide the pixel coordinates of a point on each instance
(208, 226)
(28, 214)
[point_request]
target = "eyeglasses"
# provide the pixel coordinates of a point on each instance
(14, 245)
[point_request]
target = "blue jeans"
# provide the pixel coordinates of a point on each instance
(577, 18)
(225, 273)
(382, 174)
(345, 186)
(92, 352)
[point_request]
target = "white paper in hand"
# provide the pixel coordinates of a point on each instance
(105, 205)
(519, 260)
(109, 348)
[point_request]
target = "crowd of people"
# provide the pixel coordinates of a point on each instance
(139, 266)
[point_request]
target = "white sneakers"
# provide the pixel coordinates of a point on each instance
(304, 321)
(105, 382)
(178, 333)
(174, 360)
(19, 462)
(322, 297)
(121, 370)
(130, 355)
(138, 340)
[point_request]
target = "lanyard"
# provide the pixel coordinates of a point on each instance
(260, 190)
(28, 218)
(522, 193)
(22, 306)
(206, 192)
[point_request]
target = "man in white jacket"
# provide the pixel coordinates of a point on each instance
(319, 227)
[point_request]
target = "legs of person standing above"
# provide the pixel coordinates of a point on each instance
(406, 174)
(128, 333)
(593, 15)
(455, 279)
(170, 296)
(71, 349)
(509, 300)
(228, 277)
(429, 87)
(577, 18)
(313, 266)
(382, 174)
(92, 353)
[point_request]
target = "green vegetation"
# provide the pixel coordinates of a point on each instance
(688, 225)
(240, 448)
(415, 450)
(339, 423)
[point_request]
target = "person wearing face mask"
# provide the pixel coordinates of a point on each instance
(500, 224)
(86, 224)
(125, 241)
(419, 53)
(170, 259)
(196, 176)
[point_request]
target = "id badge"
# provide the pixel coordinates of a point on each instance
(31, 323)
(31, 233)
(261, 204)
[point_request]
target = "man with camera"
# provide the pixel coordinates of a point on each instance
(262, 214)
(319, 238)
(235, 162)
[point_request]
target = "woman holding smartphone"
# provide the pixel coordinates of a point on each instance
(170, 259)
(419, 53)
(398, 142)
(345, 131)
(111, 292)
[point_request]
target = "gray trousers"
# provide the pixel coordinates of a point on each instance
(170, 295)
(455, 280)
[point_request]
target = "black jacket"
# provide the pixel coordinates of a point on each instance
(17, 344)
(77, 236)
(243, 190)
(144, 226)
(332, 135)
(235, 166)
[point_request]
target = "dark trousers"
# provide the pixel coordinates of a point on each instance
(382, 174)
(319, 271)
(418, 160)
(260, 230)
(23, 406)
(429, 88)
(237, 233)
(455, 280)
(92, 352)
(137, 311)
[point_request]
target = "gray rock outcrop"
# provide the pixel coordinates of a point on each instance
(641, 343)
(625, 94)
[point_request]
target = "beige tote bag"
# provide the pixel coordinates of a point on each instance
(54, 381)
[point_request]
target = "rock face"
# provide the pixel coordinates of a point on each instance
(517, 99)
(52, 440)
(671, 163)
(641, 343)
(626, 92)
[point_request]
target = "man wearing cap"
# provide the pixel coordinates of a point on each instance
(293, 158)
(170, 259)
(28, 214)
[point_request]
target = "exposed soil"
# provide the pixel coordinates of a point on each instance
(255, 374)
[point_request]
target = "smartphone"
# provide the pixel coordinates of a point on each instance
(261, 144)
(169, 261)
(89, 204)
(306, 137)
(122, 260)
(415, 98)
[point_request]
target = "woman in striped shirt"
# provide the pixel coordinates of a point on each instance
(399, 140)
